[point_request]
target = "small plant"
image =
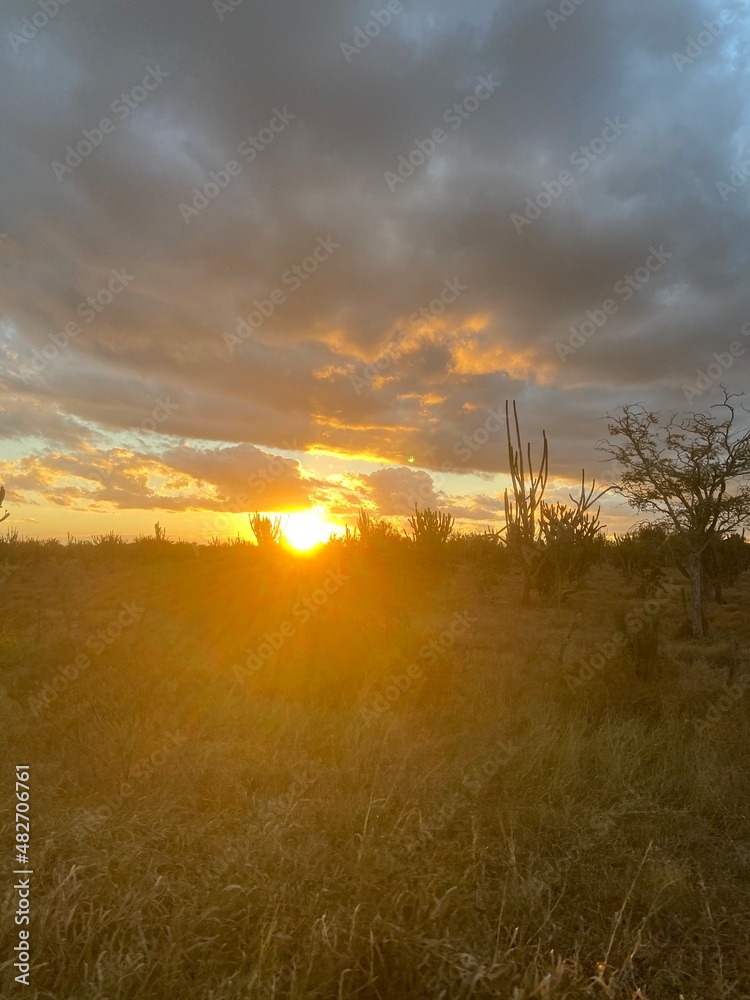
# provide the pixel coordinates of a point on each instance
(155, 542)
(111, 538)
(12, 537)
(238, 542)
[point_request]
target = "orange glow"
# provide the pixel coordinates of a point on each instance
(305, 529)
(328, 451)
(475, 356)
(322, 420)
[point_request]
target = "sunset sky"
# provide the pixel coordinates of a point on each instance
(295, 257)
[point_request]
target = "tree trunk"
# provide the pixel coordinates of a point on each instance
(696, 595)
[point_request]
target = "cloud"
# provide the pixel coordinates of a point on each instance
(240, 478)
(321, 177)
(395, 491)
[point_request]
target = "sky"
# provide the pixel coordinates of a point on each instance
(295, 257)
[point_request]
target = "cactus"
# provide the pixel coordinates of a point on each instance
(6, 514)
(374, 530)
(550, 542)
(643, 552)
(522, 513)
(570, 539)
(111, 538)
(267, 532)
(430, 528)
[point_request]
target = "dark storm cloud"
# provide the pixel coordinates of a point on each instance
(299, 141)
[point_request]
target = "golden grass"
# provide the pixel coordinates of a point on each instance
(495, 832)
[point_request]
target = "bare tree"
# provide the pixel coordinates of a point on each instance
(693, 470)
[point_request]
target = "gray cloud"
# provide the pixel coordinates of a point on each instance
(322, 176)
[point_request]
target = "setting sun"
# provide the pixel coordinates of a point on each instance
(307, 528)
(375, 500)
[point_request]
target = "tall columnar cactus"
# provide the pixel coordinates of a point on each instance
(6, 514)
(523, 511)
(550, 542)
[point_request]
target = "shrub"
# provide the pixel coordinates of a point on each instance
(110, 539)
(431, 529)
(267, 532)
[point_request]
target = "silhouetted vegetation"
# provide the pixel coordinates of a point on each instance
(451, 777)
(395, 767)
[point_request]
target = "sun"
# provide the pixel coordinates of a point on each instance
(305, 529)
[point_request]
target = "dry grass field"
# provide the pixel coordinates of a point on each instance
(355, 775)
